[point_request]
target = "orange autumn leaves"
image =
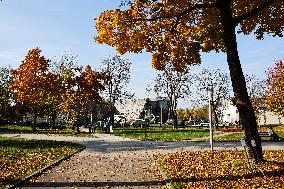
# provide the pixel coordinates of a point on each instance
(88, 84)
(34, 84)
(178, 30)
(32, 81)
(275, 91)
(223, 169)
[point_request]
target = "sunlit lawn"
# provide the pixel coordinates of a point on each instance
(223, 169)
(27, 129)
(167, 133)
(230, 137)
(237, 136)
(21, 157)
(162, 133)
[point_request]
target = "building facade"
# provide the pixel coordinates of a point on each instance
(132, 109)
(230, 115)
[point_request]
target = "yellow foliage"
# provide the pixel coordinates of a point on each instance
(178, 30)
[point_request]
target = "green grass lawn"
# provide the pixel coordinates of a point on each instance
(167, 133)
(21, 157)
(27, 129)
(162, 133)
(239, 136)
(230, 137)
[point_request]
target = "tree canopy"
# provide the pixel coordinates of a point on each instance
(55, 90)
(275, 91)
(178, 30)
(174, 85)
(32, 81)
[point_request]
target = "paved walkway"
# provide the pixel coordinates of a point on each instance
(114, 162)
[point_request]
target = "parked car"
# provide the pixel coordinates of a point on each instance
(119, 119)
(138, 123)
(180, 122)
(100, 124)
(190, 122)
(169, 122)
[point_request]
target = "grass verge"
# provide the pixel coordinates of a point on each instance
(21, 157)
(26, 129)
(230, 137)
(233, 137)
(223, 169)
(166, 134)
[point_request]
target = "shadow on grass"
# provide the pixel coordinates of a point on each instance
(33, 144)
(28, 130)
(6, 129)
(94, 184)
(130, 131)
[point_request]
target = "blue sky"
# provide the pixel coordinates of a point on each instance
(57, 26)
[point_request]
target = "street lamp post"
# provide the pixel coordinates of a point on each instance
(162, 104)
(210, 98)
(161, 117)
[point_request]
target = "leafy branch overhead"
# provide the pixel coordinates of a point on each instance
(178, 30)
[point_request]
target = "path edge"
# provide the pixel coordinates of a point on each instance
(40, 171)
(166, 179)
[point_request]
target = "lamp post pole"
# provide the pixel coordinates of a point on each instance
(210, 90)
(161, 104)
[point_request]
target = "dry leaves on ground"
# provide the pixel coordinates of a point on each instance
(224, 169)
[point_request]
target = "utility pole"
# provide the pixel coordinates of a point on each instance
(161, 116)
(210, 97)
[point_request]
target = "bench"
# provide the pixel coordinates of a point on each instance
(204, 124)
(265, 134)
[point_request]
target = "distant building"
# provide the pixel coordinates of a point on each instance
(267, 117)
(231, 116)
(132, 109)
(230, 113)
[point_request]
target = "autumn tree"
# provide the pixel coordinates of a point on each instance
(216, 80)
(88, 85)
(117, 70)
(32, 81)
(256, 91)
(195, 114)
(275, 90)
(5, 93)
(178, 30)
(62, 101)
(174, 85)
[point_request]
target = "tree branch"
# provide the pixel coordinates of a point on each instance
(178, 15)
(258, 9)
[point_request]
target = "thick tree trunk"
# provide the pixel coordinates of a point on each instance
(244, 106)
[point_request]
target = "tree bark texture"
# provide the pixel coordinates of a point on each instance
(244, 106)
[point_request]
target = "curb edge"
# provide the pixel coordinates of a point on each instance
(40, 171)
